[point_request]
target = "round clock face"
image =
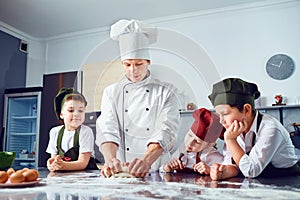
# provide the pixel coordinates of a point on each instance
(280, 66)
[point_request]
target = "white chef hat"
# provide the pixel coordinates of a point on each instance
(134, 38)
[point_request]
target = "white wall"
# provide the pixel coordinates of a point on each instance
(240, 42)
(233, 42)
(36, 61)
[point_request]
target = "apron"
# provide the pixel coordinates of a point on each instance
(270, 171)
(73, 153)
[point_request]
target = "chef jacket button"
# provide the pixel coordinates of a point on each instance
(126, 130)
(126, 91)
(127, 149)
(147, 90)
(126, 110)
(148, 129)
(147, 109)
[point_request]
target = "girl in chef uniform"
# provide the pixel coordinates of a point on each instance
(71, 145)
(256, 145)
(198, 152)
(139, 114)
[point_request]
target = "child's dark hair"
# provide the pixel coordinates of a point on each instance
(240, 107)
(66, 94)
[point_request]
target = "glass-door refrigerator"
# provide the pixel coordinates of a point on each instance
(21, 125)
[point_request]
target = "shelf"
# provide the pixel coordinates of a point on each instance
(25, 98)
(281, 109)
(25, 117)
(25, 159)
(23, 134)
(278, 107)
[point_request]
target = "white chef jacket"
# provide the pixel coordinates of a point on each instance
(208, 155)
(272, 145)
(86, 140)
(136, 114)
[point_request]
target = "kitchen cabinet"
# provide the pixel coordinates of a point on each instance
(286, 114)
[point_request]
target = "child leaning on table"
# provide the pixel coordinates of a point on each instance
(256, 145)
(198, 151)
(71, 145)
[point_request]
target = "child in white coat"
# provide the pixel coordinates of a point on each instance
(198, 151)
(256, 145)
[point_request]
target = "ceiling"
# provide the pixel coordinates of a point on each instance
(50, 18)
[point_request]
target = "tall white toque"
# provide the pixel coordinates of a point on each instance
(134, 38)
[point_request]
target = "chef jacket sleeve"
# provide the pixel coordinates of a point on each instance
(211, 156)
(228, 158)
(107, 129)
(167, 123)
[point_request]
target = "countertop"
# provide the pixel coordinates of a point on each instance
(91, 185)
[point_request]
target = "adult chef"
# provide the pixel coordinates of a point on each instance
(139, 114)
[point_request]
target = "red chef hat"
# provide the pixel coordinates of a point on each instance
(206, 125)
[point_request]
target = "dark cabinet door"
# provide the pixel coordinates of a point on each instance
(52, 83)
(90, 120)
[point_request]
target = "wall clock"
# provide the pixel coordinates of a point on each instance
(280, 66)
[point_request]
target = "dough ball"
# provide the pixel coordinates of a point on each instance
(123, 174)
(23, 170)
(16, 177)
(3, 176)
(10, 171)
(30, 175)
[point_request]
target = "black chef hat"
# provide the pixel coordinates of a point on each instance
(61, 97)
(234, 91)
